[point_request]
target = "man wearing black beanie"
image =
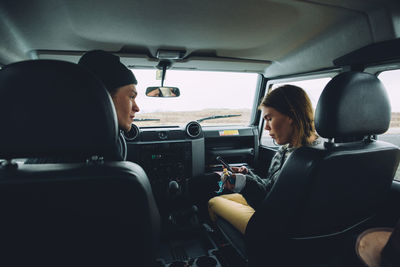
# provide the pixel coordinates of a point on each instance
(120, 83)
(118, 80)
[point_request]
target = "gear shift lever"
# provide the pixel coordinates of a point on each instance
(173, 189)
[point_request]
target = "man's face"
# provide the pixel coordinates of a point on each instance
(125, 105)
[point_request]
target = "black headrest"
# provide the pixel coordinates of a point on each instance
(353, 104)
(54, 108)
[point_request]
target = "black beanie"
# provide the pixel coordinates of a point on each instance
(108, 68)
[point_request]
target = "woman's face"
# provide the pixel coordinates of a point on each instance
(279, 126)
(125, 105)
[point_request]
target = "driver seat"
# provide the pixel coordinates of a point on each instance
(98, 211)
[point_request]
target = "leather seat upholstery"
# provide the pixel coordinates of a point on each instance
(324, 194)
(99, 211)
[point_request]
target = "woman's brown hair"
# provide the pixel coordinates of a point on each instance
(294, 102)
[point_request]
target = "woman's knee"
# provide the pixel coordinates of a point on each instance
(213, 202)
(211, 207)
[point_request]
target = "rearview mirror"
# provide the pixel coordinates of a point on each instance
(157, 91)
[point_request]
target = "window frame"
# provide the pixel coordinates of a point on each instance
(378, 70)
(252, 105)
(309, 76)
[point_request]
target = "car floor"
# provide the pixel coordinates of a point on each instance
(193, 242)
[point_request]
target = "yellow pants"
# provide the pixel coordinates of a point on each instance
(233, 208)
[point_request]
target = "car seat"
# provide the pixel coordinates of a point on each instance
(99, 211)
(325, 194)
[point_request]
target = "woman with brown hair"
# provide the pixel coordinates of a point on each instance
(289, 119)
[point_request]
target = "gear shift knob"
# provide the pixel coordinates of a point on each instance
(173, 188)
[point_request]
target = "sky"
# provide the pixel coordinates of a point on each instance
(199, 90)
(312, 87)
(391, 80)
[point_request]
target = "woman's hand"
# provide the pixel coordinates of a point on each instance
(226, 181)
(241, 169)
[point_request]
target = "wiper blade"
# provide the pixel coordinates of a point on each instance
(146, 119)
(218, 117)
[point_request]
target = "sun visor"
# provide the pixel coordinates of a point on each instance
(210, 63)
(223, 64)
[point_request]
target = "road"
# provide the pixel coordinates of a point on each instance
(390, 138)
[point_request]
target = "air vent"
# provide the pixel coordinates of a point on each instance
(193, 129)
(132, 134)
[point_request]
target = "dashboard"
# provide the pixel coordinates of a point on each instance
(176, 153)
(167, 153)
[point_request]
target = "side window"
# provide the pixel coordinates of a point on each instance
(313, 88)
(391, 80)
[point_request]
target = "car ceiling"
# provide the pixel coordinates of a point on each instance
(273, 37)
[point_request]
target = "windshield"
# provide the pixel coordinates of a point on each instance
(229, 95)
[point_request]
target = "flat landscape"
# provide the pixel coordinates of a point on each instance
(183, 117)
